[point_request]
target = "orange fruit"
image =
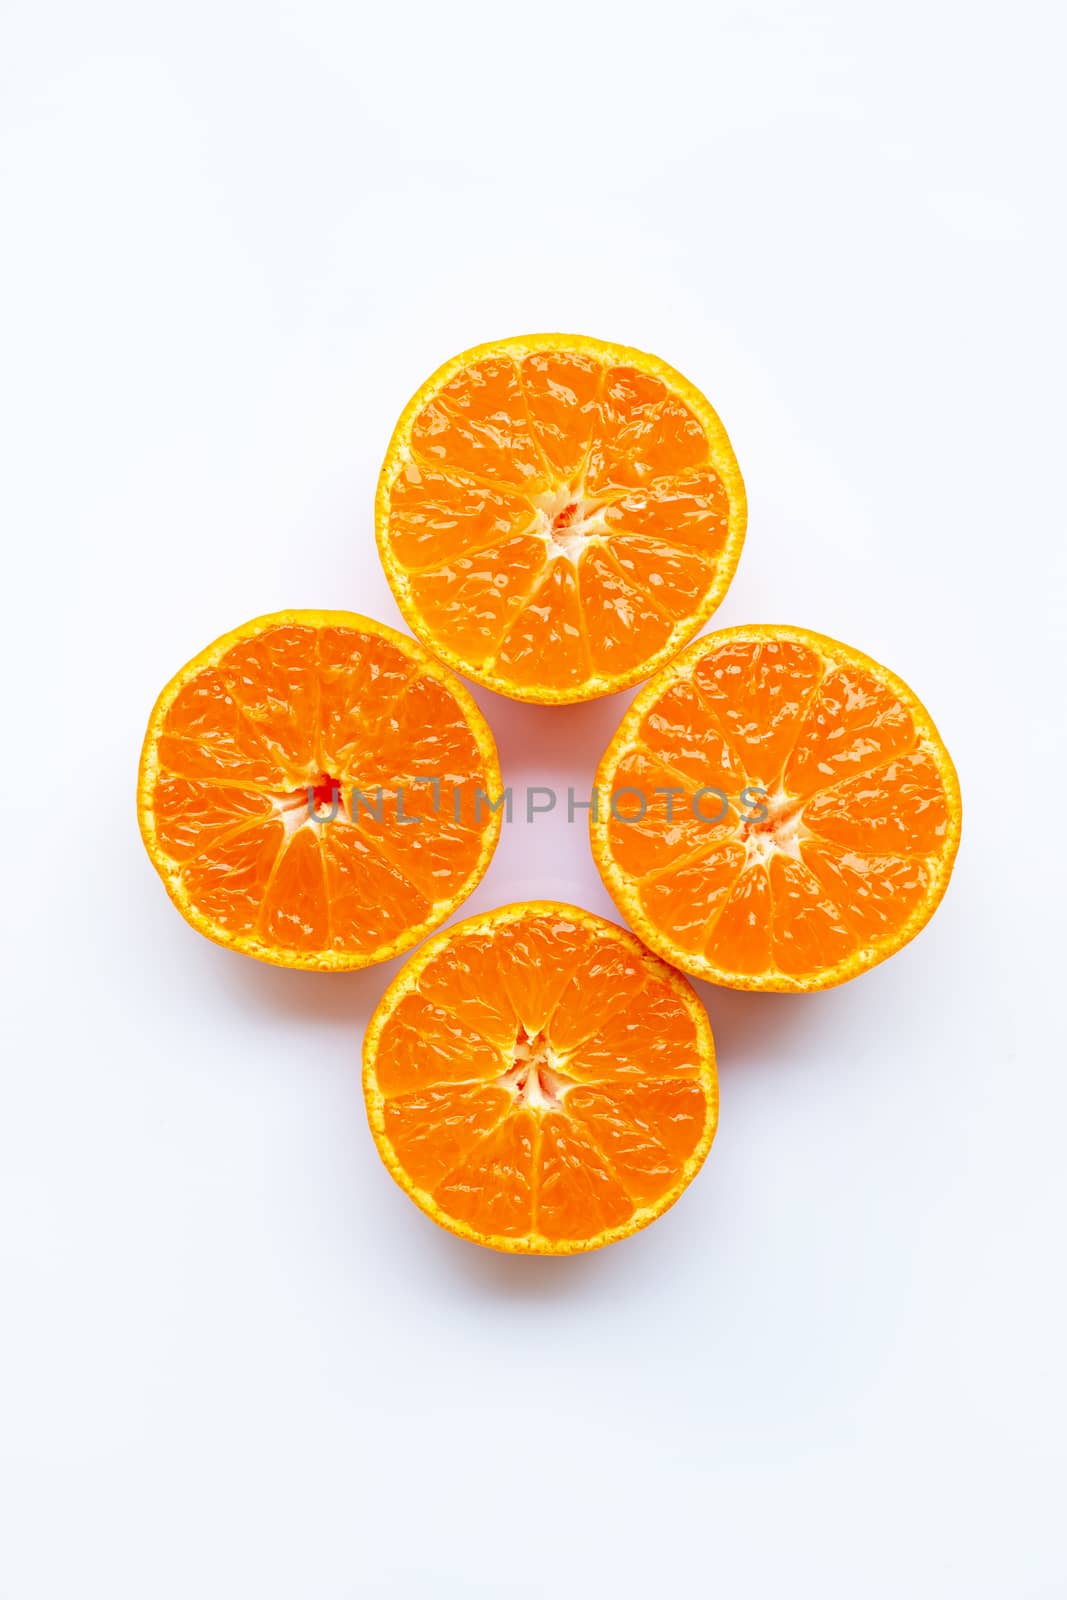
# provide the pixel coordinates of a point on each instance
(860, 811)
(537, 1081)
(317, 711)
(558, 516)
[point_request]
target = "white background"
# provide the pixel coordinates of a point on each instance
(236, 1361)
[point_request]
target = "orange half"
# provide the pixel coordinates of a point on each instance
(776, 811)
(558, 516)
(537, 1081)
(313, 791)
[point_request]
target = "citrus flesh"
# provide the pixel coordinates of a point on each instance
(538, 1082)
(557, 516)
(839, 827)
(257, 752)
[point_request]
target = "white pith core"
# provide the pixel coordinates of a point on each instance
(292, 809)
(567, 520)
(780, 834)
(535, 1079)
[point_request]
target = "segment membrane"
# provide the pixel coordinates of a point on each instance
(674, 580)
(434, 1130)
(227, 882)
(430, 848)
(854, 723)
(423, 1045)
(677, 731)
(686, 899)
(895, 810)
(690, 512)
(537, 956)
(561, 396)
(464, 977)
(646, 1130)
(423, 735)
(479, 423)
(190, 817)
(875, 893)
(808, 931)
(469, 603)
(601, 983)
(206, 735)
(645, 433)
(548, 627)
(756, 695)
(578, 1193)
(492, 1188)
(372, 903)
(652, 825)
(273, 676)
(436, 515)
(361, 676)
(740, 937)
(295, 912)
(623, 624)
(653, 1036)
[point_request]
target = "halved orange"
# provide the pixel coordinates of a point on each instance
(313, 791)
(537, 1081)
(558, 516)
(776, 811)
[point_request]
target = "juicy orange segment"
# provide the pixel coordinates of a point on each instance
(537, 1081)
(558, 516)
(814, 819)
(310, 791)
